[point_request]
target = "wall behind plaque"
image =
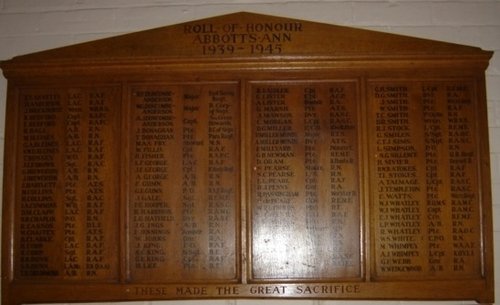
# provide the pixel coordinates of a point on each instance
(27, 26)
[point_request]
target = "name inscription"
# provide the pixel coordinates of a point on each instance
(305, 181)
(184, 182)
(65, 196)
(425, 177)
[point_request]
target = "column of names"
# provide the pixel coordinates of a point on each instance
(41, 149)
(425, 172)
(397, 185)
(305, 180)
(152, 214)
(65, 157)
(184, 172)
(274, 197)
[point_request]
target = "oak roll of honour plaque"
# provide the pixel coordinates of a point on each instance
(247, 156)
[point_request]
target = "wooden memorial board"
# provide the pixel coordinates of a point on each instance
(247, 156)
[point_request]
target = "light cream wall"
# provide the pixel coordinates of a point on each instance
(28, 26)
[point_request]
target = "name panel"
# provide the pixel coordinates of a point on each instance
(184, 182)
(67, 184)
(305, 207)
(425, 192)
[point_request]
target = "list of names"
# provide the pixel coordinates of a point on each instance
(305, 182)
(425, 172)
(64, 204)
(184, 173)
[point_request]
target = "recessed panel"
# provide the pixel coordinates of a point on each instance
(425, 192)
(67, 206)
(305, 202)
(184, 182)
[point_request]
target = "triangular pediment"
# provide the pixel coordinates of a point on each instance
(248, 35)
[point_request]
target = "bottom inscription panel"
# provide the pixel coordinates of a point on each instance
(340, 290)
